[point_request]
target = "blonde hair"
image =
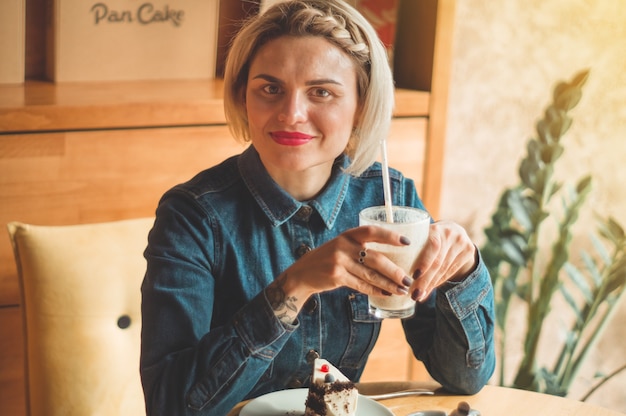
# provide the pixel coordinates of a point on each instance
(344, 27)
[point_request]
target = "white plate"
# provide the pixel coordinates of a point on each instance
(291, 403)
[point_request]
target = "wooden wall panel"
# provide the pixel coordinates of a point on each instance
(406, 146)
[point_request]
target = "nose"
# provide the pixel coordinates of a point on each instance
(294, 109)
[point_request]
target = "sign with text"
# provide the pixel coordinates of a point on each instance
(116, 40)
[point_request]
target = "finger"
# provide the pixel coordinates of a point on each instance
(376, 270)
(428, 267)
(455, 256)
(434, 278)
(371, 233)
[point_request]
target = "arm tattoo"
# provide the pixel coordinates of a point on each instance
(284, 306)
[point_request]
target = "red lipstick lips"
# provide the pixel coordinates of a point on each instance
(291, 138)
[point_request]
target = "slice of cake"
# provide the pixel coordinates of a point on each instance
(331, 393)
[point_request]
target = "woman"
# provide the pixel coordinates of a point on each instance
(253, 264)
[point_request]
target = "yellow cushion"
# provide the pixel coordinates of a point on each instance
(81, 301)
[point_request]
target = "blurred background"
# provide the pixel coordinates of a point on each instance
(507, 58)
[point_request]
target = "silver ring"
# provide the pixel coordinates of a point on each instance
(362, 255)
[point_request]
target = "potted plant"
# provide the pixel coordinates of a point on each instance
(531, 263)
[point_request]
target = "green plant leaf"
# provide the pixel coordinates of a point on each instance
(571, 302)
(541, 178)
(591, 265)
(581, 78)
(522, 291)
(577, 82)
(560, 125)
(533, 150)
(617, 277)
(528, 173)
(579, 280)
(560, 89)
(616, 229)
(544, 133)
(600, 248)
(554, 125)
(552, 153)
(509, 287)
(501, 311)
(584, 185)
(612, 231)
(519, 209)
(568, 99)
(513, 252)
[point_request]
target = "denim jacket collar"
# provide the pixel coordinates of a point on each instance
(278, 205)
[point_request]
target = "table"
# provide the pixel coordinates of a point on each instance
(490, 401)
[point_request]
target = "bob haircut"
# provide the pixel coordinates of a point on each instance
(341, 25)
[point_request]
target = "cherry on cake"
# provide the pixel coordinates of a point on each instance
(331, 393)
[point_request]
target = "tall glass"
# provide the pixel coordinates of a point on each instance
(412, 223)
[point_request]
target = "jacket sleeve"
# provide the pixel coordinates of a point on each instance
(188, 366)
(452, 333)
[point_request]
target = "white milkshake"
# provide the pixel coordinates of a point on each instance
(412, 223)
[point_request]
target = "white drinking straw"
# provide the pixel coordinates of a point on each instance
(386, 182)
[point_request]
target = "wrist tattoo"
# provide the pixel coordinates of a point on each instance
(284, 306)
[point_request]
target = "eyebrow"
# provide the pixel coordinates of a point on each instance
(311, 82)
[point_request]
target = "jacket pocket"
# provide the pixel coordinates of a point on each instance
(364, 331)
(360, 309)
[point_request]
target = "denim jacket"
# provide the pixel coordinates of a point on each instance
(210, 338)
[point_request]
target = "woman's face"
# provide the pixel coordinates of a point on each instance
(301, 102)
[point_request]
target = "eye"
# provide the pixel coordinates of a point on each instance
(271, 89)
(320, 92)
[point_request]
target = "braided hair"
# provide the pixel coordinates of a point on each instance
(341, 25)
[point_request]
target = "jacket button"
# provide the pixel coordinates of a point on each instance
(311, 356)
(304, 213)
(311, 305)
(302, 250)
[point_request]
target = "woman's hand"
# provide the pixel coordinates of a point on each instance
(340, 262)
(449, 255)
